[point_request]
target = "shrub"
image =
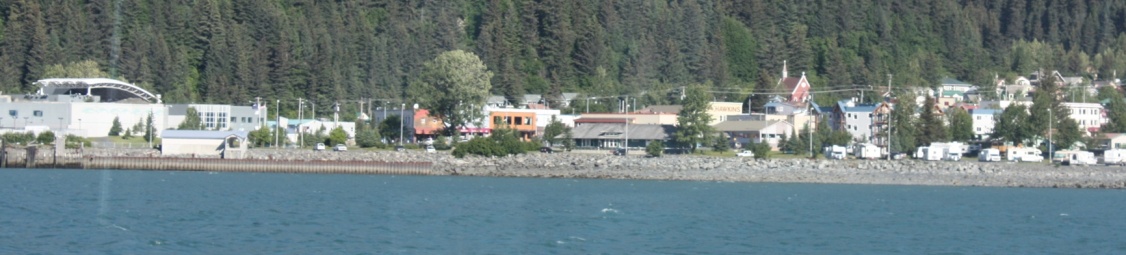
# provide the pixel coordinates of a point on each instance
(46, 137)
(654, 149)
(761, 150)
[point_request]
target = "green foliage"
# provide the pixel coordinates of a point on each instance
(904, 127)
(1115, 109)
(568, 140)
(149, 128)
(75, 142)
(390, 127)
(231, 51)
(261, 137)
(192, 120)
(115, 130)
(654, 149)
(720, 143)
(18, 138)
(931, 126)
(442, 144)
(127, 134)
(502, 142)
(368, 138)
(693, 119)
(454, 87)
(761, 150)
(336, 136)
(961, 124)
(1013, 126)
(80, 69)
(553, 129)
(46, 137)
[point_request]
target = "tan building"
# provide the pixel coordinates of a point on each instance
(226, 144)
(635, 118)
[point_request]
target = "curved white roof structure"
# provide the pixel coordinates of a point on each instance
(62, 85)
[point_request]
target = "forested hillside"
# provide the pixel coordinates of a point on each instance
(230, 51)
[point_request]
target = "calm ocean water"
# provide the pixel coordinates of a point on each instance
(138, 212)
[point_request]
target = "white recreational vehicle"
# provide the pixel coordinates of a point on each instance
(1114, 157)
(989, 155)
(836, 152)
(867, 151)
(1024, 154)
(1081, 158)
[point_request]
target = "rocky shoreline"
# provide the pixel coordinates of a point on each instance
(601, 165)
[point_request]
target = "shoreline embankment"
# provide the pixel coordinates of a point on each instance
(601, 165)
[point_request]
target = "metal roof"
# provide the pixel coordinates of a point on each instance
(618, 131)
(202, 134)
(53, 86)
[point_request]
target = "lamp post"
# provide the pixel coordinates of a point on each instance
(277, 121)
(415, 107)
(402, 111)
(1051, 154)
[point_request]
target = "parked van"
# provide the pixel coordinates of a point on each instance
(1061, 156)
(1114, 157)
(1024, 154)
(929, 153)
(989, 155)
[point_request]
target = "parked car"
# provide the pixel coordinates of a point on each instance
(546, 149)
(319, 147)
(745, 153)
(430, 149)
(619, 152)
(340, 147)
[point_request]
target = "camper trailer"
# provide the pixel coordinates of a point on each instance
(989, 155)
(867, 151)
(1024, 154)
(836, 152)
(951, 151)
(1081, 158)
(929, 153)
(1114, 157)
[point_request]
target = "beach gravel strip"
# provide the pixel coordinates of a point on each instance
(706, 168)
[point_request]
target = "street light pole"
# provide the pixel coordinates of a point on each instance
(1051, 154)
(402, 112)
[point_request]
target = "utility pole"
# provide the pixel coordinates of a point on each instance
(890, 111)
(300, 115)
(277, 122)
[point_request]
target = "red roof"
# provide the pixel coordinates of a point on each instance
(791, 83)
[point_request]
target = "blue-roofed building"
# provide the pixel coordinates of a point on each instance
(858, 119)
(983, 122)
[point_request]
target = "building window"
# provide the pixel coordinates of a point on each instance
(13, 113)
(37, 113)
(223, 120)
(209, 120)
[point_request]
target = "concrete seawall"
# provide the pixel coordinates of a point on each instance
(72, 159)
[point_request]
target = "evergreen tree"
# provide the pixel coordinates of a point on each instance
(192, 120)
(115, 130)
(693, 119)
(903, 125)
(932, 127)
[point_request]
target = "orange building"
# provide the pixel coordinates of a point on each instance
(523, 122)
(426, 126)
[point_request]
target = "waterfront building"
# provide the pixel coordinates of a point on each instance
(84, 107)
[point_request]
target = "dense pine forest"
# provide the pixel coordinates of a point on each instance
(231, 51)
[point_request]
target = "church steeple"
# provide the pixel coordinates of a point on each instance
(784, 72)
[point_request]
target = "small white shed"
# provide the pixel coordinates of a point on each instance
(226, 144)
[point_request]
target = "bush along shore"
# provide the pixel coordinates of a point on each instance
(602, 165)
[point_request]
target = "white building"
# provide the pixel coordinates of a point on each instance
(83, 107)
(855, 118)
(219, 116)
(983, 122)
(1089, 116)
